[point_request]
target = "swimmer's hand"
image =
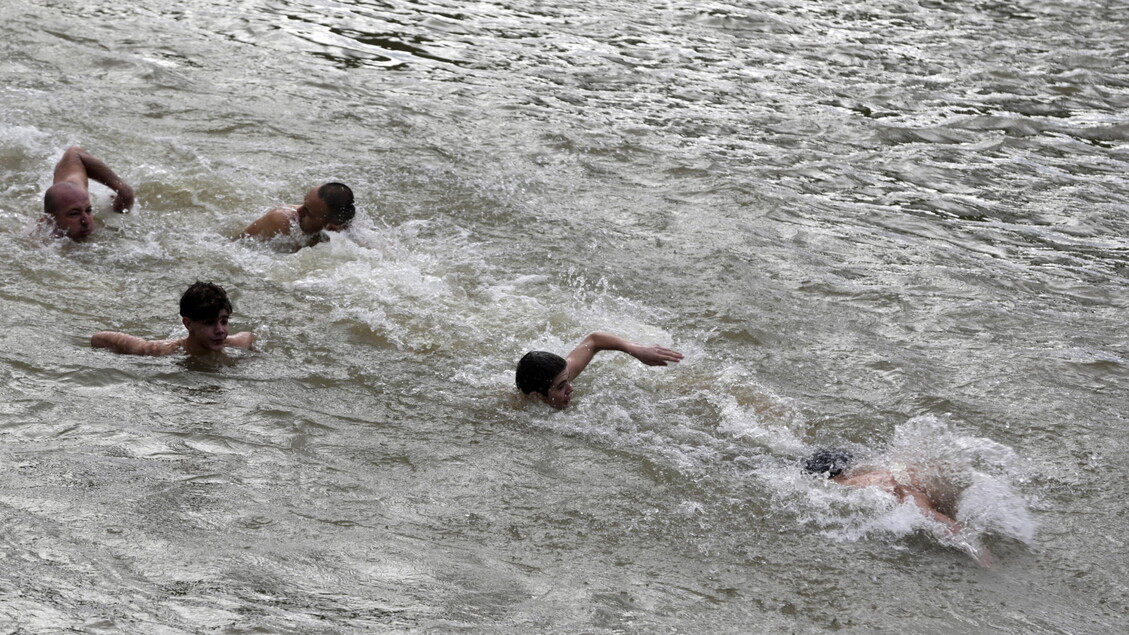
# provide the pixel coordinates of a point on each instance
(124, 198)
(984, 558)
(578, 359)
(655, 355)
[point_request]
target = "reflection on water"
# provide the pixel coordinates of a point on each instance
(894, 227)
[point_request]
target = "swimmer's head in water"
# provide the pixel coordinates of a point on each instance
(326, 207)
(338, 198)
(203, 302)
(68, 206)
(536, 370)
(829, 462)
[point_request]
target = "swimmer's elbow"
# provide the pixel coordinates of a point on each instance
(119, 343)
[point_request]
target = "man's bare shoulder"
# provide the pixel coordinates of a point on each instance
(277, 221)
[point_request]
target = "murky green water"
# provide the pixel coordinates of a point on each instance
(896, 227)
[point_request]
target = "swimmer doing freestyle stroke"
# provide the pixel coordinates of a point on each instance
(906, 486)
(66, 204)
(548, 376)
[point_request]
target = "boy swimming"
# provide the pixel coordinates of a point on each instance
(548, 376)
(204, 310)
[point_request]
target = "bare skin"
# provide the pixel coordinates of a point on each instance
(204, 338)
(67, 202)
(560, 390)
(309, 219)
(919, 495)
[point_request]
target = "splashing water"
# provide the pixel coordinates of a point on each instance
(972, 478)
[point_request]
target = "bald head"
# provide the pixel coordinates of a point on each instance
(68, 205)
(64, 195)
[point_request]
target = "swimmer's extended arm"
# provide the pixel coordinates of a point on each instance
(926, 506)
(979, 553)
(130, 344)
(580, 356)
(78, 165)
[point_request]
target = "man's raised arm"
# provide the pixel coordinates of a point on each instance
(78, 165)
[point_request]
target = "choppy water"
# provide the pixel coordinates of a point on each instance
(897, 227)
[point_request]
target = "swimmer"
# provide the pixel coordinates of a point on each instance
(66, 204)
(205, 309)
(326, 207)
(549, 377)
(834, 465)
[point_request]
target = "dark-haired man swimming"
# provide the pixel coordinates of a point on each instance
(326, 207)
(549, 376)
(836, 464)
(66, 204)
(204, 310)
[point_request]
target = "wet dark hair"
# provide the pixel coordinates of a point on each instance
(339, 199)
(831, 462)
(536, 370)
(203, 302)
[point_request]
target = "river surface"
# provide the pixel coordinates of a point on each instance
(896, 227)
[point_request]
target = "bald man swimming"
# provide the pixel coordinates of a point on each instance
(66, 204)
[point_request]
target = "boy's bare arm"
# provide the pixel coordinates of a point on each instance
(132, 345)
(655, 355)
(580, 356)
